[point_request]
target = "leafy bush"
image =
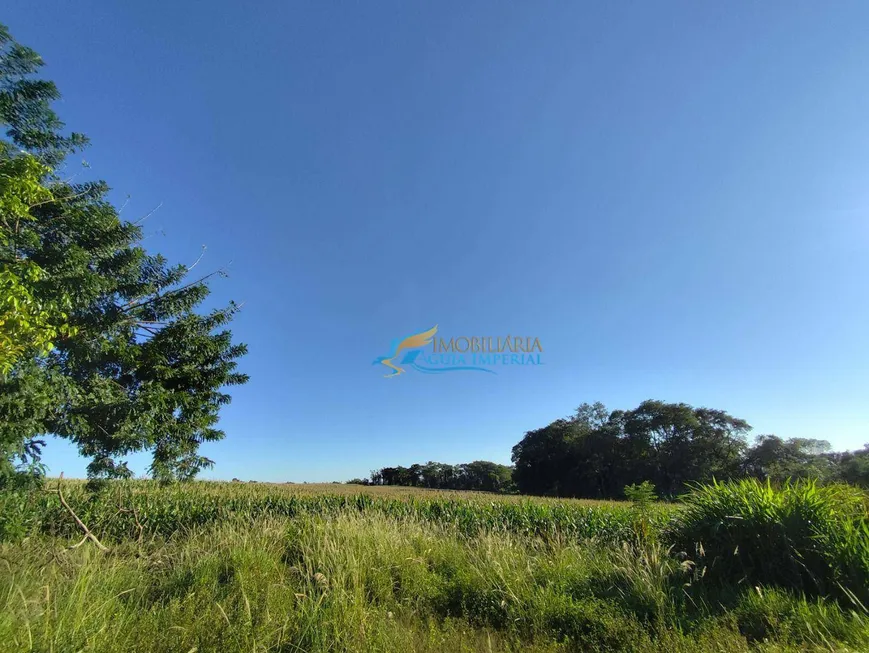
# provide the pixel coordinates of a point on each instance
(801, 536)
(18, 519)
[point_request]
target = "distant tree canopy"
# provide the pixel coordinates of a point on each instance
(480, 475)
(596, 453)
(101, 342)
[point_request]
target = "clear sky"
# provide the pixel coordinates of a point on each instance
(671, 196)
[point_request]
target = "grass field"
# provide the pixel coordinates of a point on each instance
(261, 567)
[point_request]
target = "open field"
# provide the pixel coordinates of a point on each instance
(253, 489)
(141, 507)
(260, 567)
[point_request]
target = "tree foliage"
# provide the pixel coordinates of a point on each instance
(596, 454)
(26, 325)
(852, 466)
(480, 475)
(656, 447)
(139, 367)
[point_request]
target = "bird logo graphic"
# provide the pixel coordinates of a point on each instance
(402, 344)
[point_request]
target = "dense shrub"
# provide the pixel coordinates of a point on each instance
(18, 514)
(801, 536)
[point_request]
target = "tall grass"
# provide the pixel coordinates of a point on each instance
(805, 536)
(373, 582)
(220, 567)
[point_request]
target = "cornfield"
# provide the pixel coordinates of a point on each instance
(210, 566)
(139, 508)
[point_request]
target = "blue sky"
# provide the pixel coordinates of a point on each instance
(671, 196)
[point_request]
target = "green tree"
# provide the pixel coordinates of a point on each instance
(480, 475)
(438, 475)
(674, 444)
(577, 456)
(543, 459)
(777, 459)
(25, 105)
(853, 467)
(485, 476)
(143, 370)
(595, 454)
(26, 325)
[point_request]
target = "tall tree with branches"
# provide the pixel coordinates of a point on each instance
(137, 367)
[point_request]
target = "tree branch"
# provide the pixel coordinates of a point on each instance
(88, 534)
(196, 262)
(132, 305)
(148, 214)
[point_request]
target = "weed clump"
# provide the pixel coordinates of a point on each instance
(802, 536)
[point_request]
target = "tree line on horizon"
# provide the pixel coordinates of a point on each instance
(596, 453)
(480, 475)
